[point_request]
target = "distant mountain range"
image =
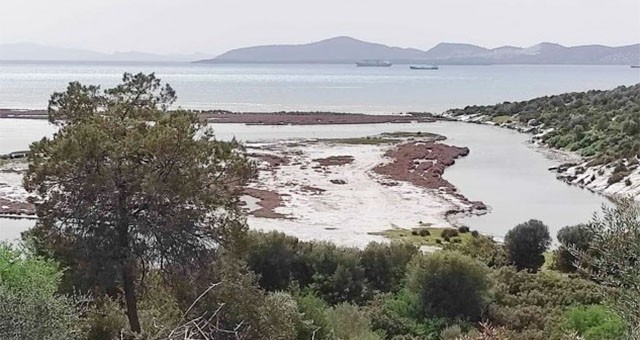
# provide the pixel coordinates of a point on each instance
(36, 52)
(349, 50)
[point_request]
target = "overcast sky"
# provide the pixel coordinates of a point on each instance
(214, 26)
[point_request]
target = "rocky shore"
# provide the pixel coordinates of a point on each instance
(13, 198)
(574, 170)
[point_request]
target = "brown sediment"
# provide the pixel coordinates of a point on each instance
(9, 207)
(422, 164)
(334, 160)
(309, 118)
(270, 118)
(268, 202)
(311, 189)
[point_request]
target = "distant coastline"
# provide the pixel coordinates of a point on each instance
(269, 118)
(348, 50)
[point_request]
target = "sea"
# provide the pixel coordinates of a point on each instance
(337, 88)
(503, 169)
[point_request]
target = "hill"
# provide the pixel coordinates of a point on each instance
(348, 50)
(334, 50)
(37, 52)
(601, 126)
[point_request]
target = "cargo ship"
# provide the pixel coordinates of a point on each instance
(373, 63)
(424, 67)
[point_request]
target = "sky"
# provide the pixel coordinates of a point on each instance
(215, 26)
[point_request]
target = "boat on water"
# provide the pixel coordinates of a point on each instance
(635, 66)
(423, 67)
(373, 63)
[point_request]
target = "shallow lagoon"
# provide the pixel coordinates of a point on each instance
(503, 169)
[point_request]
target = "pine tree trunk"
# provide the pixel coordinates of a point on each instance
(130, 296)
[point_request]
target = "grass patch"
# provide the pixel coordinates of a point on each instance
(414, 236)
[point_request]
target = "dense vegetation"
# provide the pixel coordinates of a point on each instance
(602, 124)
(139, 236)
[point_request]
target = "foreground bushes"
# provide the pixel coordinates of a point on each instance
(336, 274)
(30, 308)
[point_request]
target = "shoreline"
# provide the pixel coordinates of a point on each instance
(271, 118)
(574, 169)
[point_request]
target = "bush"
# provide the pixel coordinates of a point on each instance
(397, 315)
(438, 241)
(273, 257)
(385, 265)
(531, 303)
(463, 229)
(424, 232)
(449, 285)
(30, 308)
(315, 321)
(526, 244)
(350, 323)
(238, 296)
(593, 323)
(475, 233)
(449, 233)
(451, 333)
(578, 237)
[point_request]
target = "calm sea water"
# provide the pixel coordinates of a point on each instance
(502, 170)
(344, 88)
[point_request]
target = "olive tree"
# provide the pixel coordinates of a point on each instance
(612, 259)
(577, 236)
(126, 184)
(526, 244)
(449, 284)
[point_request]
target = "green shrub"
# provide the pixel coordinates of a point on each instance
(351, 323)
(30, 308)
(273, 256)
(449, 285)
(451, 333)
(463, 229)
(593, 323)
(315, 321)
(530, 303)
(449, 233)
(577, 237)
(385, 265)
(424, 232)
